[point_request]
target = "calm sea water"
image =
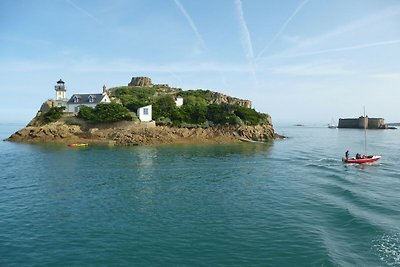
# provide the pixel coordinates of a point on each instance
(289, 203)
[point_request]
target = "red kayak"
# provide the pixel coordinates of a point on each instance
(366, 159)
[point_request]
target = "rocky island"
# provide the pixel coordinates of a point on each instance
(144, 113)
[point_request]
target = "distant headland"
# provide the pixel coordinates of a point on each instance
(146, 113)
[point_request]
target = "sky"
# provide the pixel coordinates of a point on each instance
(301, 61)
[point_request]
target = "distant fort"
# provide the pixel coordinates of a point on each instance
(363, 122)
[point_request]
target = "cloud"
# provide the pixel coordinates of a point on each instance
(317, 68)
(25, 41)
(282, 28)
(124, 66)
(83, 11)
(303, 45)
(128, 66)
(341, 49)
(390, 76)
(191, 23)
(27, 66)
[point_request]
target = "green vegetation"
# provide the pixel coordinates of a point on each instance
(53, 114)
(112, 112)
(134, 97)
(195, 112)
(204, 94)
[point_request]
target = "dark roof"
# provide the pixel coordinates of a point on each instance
(84, 98)
(61, 81)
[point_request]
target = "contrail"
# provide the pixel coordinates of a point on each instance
(245, 34)
(282, 28)
(246, 40)
(191, 23)
(348, 28)
(347, 48)
(83, 11)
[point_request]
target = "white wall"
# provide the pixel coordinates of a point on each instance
(105, 99)
(143, 115)
(75, 107)
(60, 95)
(179, 101)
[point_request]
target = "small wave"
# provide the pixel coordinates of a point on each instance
(387, 248)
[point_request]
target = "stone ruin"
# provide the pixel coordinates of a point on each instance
(140, 81)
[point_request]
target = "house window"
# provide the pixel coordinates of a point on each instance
(146, 111)
(90, 99)
(76, 99)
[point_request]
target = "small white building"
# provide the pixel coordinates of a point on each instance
(179, 101)
(145, 113)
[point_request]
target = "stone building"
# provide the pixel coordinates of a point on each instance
(362, 122)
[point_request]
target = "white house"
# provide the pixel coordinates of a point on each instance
(179, 101)
(78, 100)
(145, 113)
(89, 100)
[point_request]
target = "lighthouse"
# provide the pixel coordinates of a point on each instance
(60, 90)
(61, 94)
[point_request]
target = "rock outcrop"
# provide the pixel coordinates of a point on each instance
(141, 81)
(127, 135)
(47, 105)
(57, 131)
(218, 98)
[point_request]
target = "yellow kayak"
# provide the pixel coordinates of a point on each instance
(77, 144)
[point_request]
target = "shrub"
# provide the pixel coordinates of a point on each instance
(111, 112)
(53, 114)
(249, 116)
(164, 106)
(86, 113)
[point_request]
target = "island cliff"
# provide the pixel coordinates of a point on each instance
(202, 116)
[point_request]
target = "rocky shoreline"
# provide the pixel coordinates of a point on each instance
(128, 134)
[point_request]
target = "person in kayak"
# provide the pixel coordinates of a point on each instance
(346, 154)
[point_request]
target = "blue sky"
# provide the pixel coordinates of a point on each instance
(302, 61)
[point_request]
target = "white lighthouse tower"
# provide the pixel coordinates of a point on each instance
(60, 90)
(61, 94)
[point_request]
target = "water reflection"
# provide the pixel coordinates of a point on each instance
(243, 149)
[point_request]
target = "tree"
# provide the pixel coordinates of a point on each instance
(221, 114)
(164, 106)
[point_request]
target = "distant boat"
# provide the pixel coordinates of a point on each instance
(332, 125)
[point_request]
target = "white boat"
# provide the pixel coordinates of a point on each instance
(332, 125)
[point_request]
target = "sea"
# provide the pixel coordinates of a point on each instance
(291, 202)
